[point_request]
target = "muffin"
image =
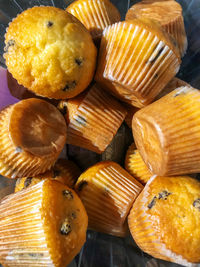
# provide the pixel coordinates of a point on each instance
(93, 119)
(166, 133)
(33, 133)
(43, 225)
(64, 171)
(95, 15)
(164, 220)
(136, 61)
(135, 165)
(107, 192)
(46, 50)
(168, 14)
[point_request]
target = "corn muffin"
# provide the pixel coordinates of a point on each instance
(164, 220)
(168, 14)
(43, 225)
(33, 133)
(93, 119)
(136, 61)
(96, 15)
(166, 133)
(46, 50)
(107, 192)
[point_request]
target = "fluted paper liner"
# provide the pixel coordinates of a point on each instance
(96, 121)
(136, 61)
(168, 14)
(30, 222)
(166, 133)
(107, 192)
(15, 161)
(135, 165)
(149, 237)
(96, 15)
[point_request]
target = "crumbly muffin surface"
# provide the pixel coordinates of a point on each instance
(47, 52)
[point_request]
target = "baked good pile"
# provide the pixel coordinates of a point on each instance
(88, 72)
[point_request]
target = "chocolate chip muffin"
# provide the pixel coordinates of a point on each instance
(108, 193)
(42, 225)
(164, 220)
(46, 50)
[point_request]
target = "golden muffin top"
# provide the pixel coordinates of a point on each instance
(47, 52)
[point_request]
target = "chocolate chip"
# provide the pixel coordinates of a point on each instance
(156, 76)
(73, 215)
(81, 185)
(55, 173)
(68, 194)
(180, 92)
(36, 255)
(79, 61)
(80, 120)
(152, 203)
(65, 228)
(157, 56)
(18, 149)
(69, 85)
(163, 195)
(27, 182)
(49, 24)
(196, 204)
(8, 45)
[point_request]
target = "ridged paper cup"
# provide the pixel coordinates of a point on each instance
(136, 61)
(93, 119)
(168, 14)
(43, 225)
(166, 133)
(64, 171)
(107, 192)
(96, 15)
(33, 133)
(164, 219)
(135, 165)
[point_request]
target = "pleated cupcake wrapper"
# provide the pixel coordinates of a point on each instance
(108, 199)
(123, 61)
(135, 165)
(140, 226)
(96, 121)
(180, 134)
(177, 29)
(184, 156)
(93, 14)
(13, 164)
(22, 241)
